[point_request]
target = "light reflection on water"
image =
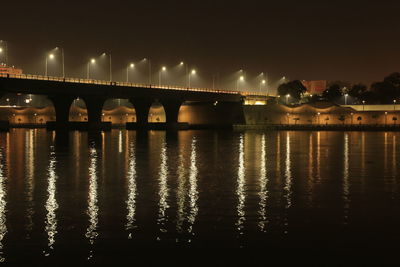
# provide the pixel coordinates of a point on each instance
(131, 201)
(3, 204)
(240, 188)
(163, 191)
(198, 187)
(51, 204)
(193, 192)
(263, 219)
(92, 209)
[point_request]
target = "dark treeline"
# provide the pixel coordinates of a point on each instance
(384, 92)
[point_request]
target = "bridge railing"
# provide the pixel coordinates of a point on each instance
(125, 84)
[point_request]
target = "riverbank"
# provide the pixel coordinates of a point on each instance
(329, 127)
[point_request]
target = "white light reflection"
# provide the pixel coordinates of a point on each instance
(193, 192)
(92, 211)
(120, 142)
(30, 182)
(131, 201)
(51, 203)
(288, 174)
(310, 169)
(240, 188)
(346, 199)
(3, 203)
(263, 188)
(163, 190)
(180, 195)
(394, 161)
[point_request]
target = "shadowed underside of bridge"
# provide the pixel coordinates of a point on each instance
(62, 94)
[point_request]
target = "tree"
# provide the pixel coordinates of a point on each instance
(357, 90)
(333, 92)
(385, 92)
(294, 88)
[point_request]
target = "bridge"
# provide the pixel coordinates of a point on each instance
(63, 91)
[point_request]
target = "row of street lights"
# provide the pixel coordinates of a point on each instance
(59, 52)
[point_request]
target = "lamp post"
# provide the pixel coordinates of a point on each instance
(193, 72)
(318, 114)
(109, 56)
(187, 75)
(287, 97)
(345, 98)
(262, 83)
(92, 61)
(51, 56)
(363, 104)
(149, 63)
(385, 118)
(159, 74)
(127, 71)
(4, 49)
(394, 104)
(62, 60)
(241, 78)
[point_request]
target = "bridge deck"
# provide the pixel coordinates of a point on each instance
(125, 84)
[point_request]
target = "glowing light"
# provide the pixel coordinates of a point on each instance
(132, 65)
(163, 191)
(181, 63)
(263, 82)
(164, 68)
(240, 190)
(93, 209)
(51, 204)
(51, 56)
(241, 78)
(93, 60)
(193, 71)
(1, 50)
(131, 201)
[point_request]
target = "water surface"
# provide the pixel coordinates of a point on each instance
(265, 196)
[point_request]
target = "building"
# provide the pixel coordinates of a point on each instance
(315, 87)
(4, 69)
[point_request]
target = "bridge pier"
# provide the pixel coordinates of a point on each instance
(142, 108)
(171, 108)
(94, 106)
(62, 105)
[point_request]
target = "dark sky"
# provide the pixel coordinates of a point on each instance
(356, 41)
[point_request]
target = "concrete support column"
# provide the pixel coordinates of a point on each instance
(94, 106)
(62, 105)
(171, 108)
(142, 108)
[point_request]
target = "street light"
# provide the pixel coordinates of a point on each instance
(363, 104)
(318, 116)
(287, 96)
(149, 62)
(159, 75)
(345, 98)
(4, 49)
(385, 117)
(127, 71)
(109, 56)
(62, 60)
(193, 72)
(241, 79)
(394, 104)
(187, 75)
(262, 83)
(51, 56)
(92, 61)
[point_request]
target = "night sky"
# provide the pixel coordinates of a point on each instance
(356, 41)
